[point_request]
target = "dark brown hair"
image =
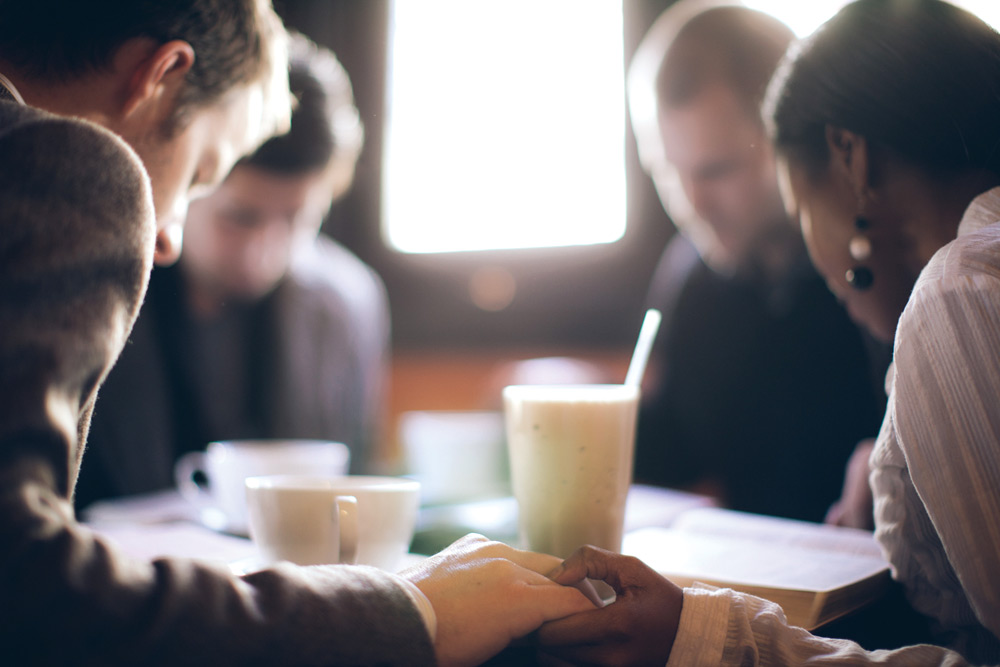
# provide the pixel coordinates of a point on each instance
(325, 125)
(56, 40)
(735, 46)
(920, 78)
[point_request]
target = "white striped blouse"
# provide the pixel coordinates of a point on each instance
(935, 478)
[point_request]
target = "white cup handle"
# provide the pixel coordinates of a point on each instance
(346, 508)
(184, 471)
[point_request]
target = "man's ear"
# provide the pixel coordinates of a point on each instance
(157, 75)
(850, 158)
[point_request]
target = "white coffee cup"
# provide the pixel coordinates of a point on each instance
(302, 523)
(387, 512)
(227, 464)
(571, 450)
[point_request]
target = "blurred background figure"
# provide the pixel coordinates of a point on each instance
(266, 328)
(760, 386)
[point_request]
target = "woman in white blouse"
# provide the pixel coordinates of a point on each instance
(887, 121)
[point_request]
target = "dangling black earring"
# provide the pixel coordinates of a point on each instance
(860, 247)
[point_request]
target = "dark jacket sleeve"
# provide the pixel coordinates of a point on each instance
(76, 242)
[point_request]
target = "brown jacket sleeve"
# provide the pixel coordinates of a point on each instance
(76, 242)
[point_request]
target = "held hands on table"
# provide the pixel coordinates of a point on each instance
(486, 594)
(638, 628)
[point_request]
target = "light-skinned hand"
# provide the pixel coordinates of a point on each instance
(638, 628)
(486, 594)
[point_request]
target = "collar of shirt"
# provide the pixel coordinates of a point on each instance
(983, 211)
(9, 90)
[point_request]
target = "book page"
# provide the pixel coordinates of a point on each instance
(649, 506)
(787, 532)
(724, 560)
(815, 572)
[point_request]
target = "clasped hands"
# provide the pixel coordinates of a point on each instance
(486, 594)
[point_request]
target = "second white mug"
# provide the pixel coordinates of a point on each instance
(301, 523)
(387, 510)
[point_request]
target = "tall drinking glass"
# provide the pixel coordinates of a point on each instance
(571, 449)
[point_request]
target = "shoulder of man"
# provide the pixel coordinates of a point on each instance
(66, 177)
(77, 231)
(326, 270)
(13, 113)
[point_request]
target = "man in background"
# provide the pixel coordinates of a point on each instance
(760, 384)
(264, 328)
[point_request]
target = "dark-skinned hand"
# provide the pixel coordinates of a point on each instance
(638, 628)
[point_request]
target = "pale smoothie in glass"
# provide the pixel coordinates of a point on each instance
(571, 450)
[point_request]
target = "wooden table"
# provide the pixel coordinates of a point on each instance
(164, 524)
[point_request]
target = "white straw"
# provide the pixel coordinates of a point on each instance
(647, 334)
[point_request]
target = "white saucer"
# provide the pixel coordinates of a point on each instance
(215, 519)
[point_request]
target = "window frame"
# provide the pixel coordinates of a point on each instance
(574, 296)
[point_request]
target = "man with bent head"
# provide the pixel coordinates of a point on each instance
(265, 328)
(755, 351)
(191, 85)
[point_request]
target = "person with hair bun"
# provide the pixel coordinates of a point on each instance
(887, 124)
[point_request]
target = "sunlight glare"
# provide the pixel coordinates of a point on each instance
(506, 125)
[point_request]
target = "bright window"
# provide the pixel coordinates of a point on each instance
(505, 125)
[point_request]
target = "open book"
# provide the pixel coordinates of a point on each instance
(816, 573)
